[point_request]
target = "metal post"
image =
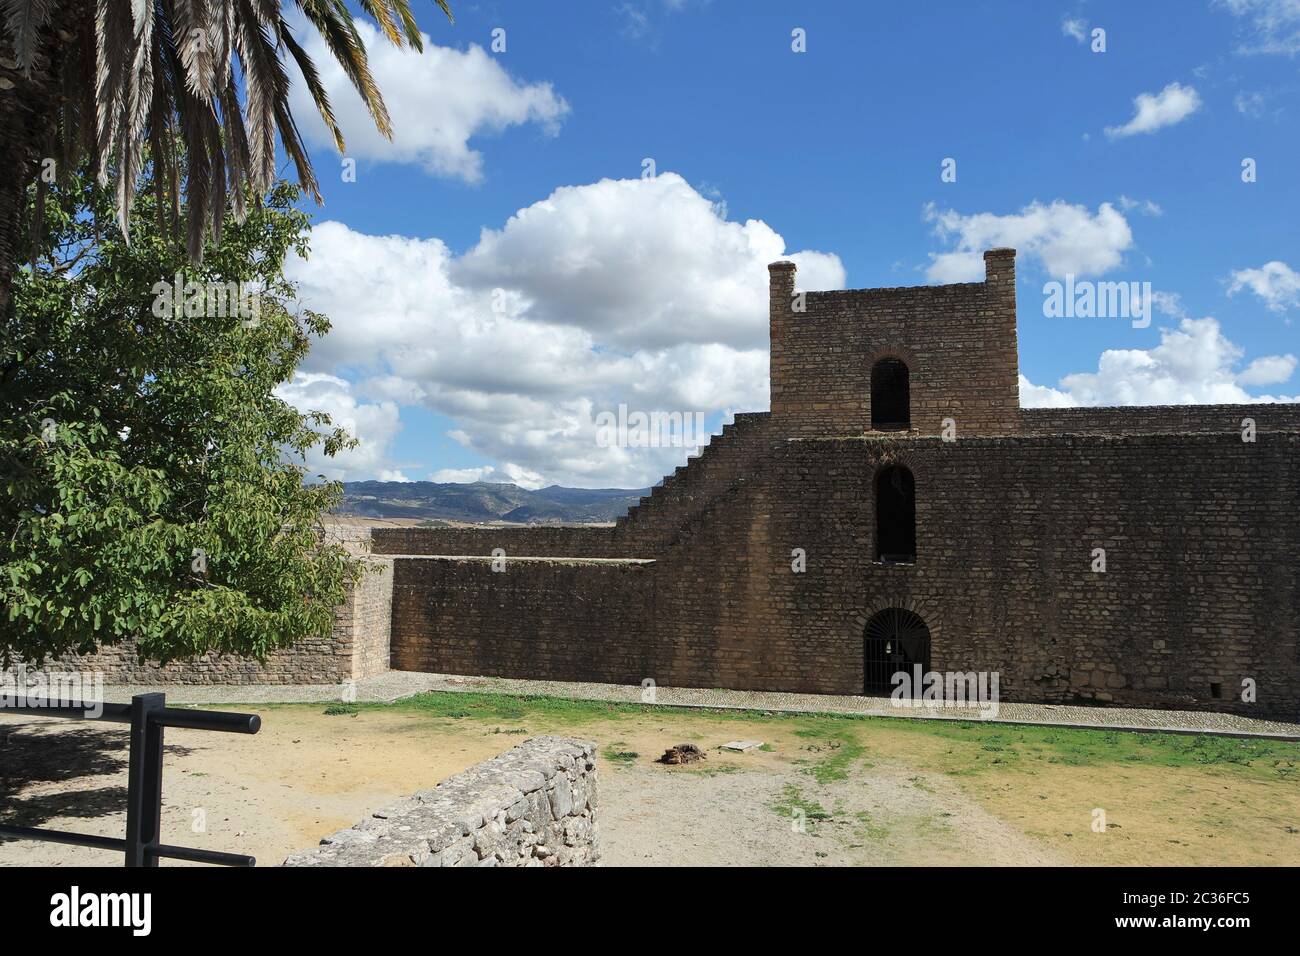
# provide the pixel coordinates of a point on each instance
(148, 715)
(144, 781)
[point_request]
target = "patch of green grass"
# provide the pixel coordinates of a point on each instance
(920, 784)
(867, 828)
(835, 739)
(931, 825)
(616, 756)
(710, 770)
(792, 798)
(1078, 747)
(555, 711)
(341, 710)
(835, 748)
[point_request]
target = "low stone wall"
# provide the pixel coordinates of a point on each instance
(363, 624)
(534, 805)
(535, 619)
(1158, 419)
(356, 647)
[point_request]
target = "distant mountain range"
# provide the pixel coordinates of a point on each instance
(482, 501)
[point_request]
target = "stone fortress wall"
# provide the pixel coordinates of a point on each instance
(1199, 528)
(695, 585)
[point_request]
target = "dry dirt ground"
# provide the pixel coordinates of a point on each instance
(823, 791)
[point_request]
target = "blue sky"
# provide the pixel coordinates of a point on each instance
(459, 355)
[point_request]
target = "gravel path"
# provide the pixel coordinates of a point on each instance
(889, 816)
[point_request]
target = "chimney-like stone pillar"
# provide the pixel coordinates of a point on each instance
(1000, 280)
(780, 316)
(1000, 267)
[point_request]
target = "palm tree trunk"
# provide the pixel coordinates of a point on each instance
(29, 109)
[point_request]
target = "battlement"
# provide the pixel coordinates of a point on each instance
(896, 359)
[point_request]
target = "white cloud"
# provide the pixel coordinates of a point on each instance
(634, 291)
(374, 425)
(636, 23)
(1194, 364)
(1065, 238)
(1269, 370)
(1250, 104)
(695, 277)
(1169, 303)
(1042, 396)
(1274, 282)
(1145, 206)
(1273, 26)
(1153, 111)
(437, 100)
(1075, 27)
(509, 473)
(459, 476)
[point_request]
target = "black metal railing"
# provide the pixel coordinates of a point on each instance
(147, 714)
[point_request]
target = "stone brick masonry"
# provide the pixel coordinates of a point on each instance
(534, 805)
(1199, 528)
(695, 586)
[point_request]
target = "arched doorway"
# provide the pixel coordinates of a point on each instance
(891, 401)
(894, 640)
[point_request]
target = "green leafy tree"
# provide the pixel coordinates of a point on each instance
(153, 482)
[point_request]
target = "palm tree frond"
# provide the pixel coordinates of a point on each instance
(195, 34)
(402, 8)
(237, 158)
(24, 19)
(113, 35)
(317, 89)
(332, 20)
(162, 74)
(379, 10)
(264, 83)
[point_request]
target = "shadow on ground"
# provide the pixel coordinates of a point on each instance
(62, 763)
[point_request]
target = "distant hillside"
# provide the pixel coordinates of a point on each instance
(482, 501)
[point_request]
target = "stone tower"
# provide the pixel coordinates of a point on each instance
(951, 349)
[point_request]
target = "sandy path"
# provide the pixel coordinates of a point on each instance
(652, 816)
(908, 798)
(302, 777)
(306, 775)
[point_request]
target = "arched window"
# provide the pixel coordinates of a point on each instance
(895, 516)
(891, 403)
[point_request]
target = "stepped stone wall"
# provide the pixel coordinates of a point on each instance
(655, 524)
(1197, 606)
(1199, 594)
(534, 805)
